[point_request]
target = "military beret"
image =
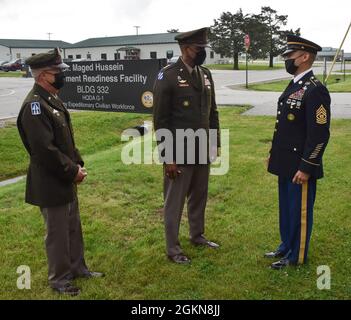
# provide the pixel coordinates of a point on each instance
(51, 59)
(197, 37)
(297, 43)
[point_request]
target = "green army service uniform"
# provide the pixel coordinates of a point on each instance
(45, 128)
(184, 100)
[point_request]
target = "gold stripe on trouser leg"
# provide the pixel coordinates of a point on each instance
(303, 229)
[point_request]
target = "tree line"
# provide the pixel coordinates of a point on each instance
(268, 38)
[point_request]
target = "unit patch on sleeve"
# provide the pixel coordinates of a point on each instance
(35, 108)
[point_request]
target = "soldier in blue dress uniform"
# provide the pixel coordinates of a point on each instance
(300, 138)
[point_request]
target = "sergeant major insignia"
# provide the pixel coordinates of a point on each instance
(35, 108)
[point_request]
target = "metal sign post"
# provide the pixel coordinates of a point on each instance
(247, 47)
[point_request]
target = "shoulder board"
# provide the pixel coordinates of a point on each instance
(315, 81)
(165, 70)
(33, 98)
(205, 68)
(168, 67)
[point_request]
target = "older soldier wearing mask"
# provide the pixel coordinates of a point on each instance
(55, 169)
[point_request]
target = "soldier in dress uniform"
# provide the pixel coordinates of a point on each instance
(55, 169)
(184, 98)
(300, 137)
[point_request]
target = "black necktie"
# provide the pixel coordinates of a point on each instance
(195, 76)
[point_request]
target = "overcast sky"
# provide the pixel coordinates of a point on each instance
(324, 22)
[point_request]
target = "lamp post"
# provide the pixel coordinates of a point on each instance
(137, 29)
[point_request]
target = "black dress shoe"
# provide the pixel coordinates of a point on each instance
(67, 289)
(280, 264)
(207, 243)
(179, 258)
(91, 274)
(274, 254)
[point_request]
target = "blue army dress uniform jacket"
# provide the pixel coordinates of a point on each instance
(302, 129)
(45, 128)
(180, 102)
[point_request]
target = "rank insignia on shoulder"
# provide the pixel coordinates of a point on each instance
(35, 108)
(160, 76)
(321, 115)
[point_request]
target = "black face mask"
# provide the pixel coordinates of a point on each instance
(290, 65)
(200, 57)
(59, 80)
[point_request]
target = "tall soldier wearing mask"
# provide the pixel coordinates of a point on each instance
(184, 99)
(300, 137)
(55, 170)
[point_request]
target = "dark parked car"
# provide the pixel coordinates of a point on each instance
(13, 65)
(2, 63)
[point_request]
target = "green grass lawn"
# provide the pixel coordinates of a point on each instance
(123, 227)
(333, 84)
(107, 126)
(242, 66)
(12, 74)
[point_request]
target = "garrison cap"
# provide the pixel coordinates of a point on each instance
(197, 37)
(51, 59)
(295, 43)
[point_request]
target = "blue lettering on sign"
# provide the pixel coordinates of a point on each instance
(35, 107)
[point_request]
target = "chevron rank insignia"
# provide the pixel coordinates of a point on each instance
(321, 115)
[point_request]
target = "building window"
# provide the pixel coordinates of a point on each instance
(18, 55)
(222, 56)
(33, 54)
(212, 55)
(89, 56)
(70, 56)
(170, 54)
(153, 55)
(118, 56)
(103, 56)
(78, 56)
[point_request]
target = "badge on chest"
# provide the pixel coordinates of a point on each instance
(182, 83)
